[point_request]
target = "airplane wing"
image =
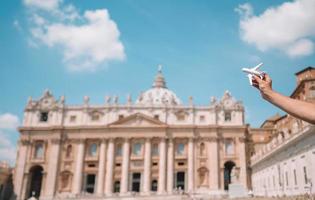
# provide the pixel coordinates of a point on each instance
(257, 67)
(250, 77)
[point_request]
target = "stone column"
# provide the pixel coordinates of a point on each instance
(77, 179)
(147, 166)
(24, 186)
(19, 175)
(109, 168)
(125, 167)
(162, 166)
(52, 168)
(170, 166)
(243, 164)
(101, 168)
(191, 165)
(213, 163)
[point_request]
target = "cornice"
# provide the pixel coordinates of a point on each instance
(110, 128)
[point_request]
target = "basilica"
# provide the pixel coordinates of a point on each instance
(153, 147)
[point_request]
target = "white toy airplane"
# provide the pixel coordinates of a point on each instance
(254, 71)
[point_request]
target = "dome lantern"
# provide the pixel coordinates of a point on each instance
(158, 94)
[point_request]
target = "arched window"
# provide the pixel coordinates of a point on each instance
(136, 149)
(69, 151)
(202, 149)
(227, 116)
(180, 149)
(39, 151)
(93, 149)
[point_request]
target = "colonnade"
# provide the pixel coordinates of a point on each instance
(107, 162)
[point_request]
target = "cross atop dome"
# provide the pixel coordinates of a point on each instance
(160, 68)
(159, 81)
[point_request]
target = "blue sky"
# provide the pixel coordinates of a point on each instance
(202, 46)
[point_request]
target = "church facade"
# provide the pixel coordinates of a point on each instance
(153, 147)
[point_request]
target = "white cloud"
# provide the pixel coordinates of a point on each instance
(38, 20)
(43, 4)
(301, 47)
(288, 27)
(87, 42)
(245, 10)
(8, 121)
(84, 46)
(7, 149)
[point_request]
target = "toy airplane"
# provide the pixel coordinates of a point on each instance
(254, 71)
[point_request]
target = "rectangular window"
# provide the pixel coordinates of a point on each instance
(155, 149)
(39, 151)
(43, 116)
(229, 147)
(73, 118)
(156, 117)
(201, 118)
(95, 117)
(180, 149)
(91, 165)
(118, 151)
(136, 149)
(181, 117)
(295, 179)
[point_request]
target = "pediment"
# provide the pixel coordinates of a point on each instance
(138, 120)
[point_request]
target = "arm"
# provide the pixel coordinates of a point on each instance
(297, 108)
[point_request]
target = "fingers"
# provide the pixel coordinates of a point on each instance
(257, 79)
(267, 77)
(255, 83)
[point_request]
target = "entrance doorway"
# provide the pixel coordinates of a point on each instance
(180, 180)
(90, 183)
(136, 181)
(228, 166)
(35, 180)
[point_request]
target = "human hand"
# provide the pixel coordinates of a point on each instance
(264, 85)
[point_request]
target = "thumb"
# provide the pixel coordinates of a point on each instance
(267, 77)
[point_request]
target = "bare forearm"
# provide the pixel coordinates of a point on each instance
(300, 109)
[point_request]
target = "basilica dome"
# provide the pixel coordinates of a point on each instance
(158, 94)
